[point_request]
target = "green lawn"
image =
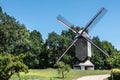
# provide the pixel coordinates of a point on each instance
(51, 74)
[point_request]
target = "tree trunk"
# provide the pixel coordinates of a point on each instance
(63, 74)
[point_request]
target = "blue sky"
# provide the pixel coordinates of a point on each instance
(41, 15)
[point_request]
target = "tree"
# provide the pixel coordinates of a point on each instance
(109, 48)
(100, 60)
(56, 44)
(14, 37)
(114, 60)
(33, 57)
(43, 57)
(62, 68)
(10, 65)
(14, 40)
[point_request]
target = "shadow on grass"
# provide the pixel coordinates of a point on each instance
(58, 77)
(109, 78)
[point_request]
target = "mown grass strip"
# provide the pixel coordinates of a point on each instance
(51, 74)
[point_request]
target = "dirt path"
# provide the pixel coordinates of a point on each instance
(95, 77)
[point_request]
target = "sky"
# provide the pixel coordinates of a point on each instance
(41, 15)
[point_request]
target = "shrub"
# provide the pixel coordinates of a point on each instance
(62, 68)
(115, 73)
(11, 64)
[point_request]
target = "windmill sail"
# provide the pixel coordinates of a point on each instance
(82, 40)
(95, 19)
(65, 22)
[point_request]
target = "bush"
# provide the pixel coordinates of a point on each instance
(11, 64)
(62, 68)
(115, 73)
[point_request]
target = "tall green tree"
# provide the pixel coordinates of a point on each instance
(33, 56)
(56, 44)
(97, 57)
(14, 40)
(101, 61)
(14, 37)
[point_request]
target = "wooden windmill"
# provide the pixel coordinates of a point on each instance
(82, 40)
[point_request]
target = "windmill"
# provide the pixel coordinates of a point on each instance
(82, 40)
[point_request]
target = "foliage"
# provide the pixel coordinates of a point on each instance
(33, 56)
(16, 39)
(99, 59)
(10, 65)
(115, 74)
(56, 44)
(62, 68)
(114, 60)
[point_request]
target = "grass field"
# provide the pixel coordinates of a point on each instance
(51, 74)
